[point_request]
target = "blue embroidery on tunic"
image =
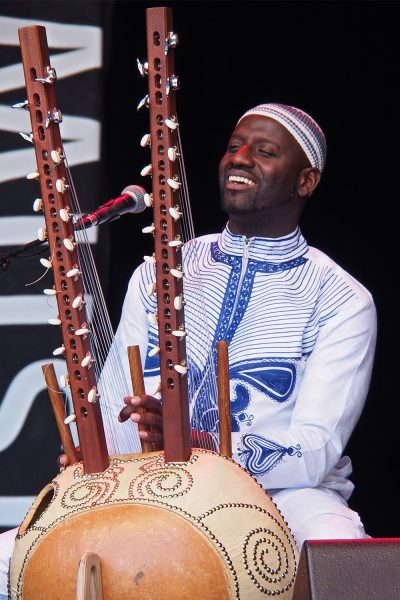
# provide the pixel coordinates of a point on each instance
(261, 455)
(253, 267)
(239, 404)
(202, 387)
(276, 378)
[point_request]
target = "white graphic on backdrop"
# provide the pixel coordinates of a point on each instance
(83, 52)
(25, 386)
(84, 148)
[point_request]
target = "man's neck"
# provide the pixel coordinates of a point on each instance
(260, 229)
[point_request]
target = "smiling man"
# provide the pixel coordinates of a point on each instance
(265, 178)
(301, 331)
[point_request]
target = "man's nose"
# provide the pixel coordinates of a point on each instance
(242, 156)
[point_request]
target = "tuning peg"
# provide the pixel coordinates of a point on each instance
(59, 351)
(38, 205)
(75, 273)
(69, 419)
(78, 302)
(179, 333)
(87, 361)
(171, 123)
(172, 84)
(148, 200)
(177, 272)
(182, 368)
(27, 137)
(149, 229)
(146, 140)
(175, 243)
(174, 183)
(153, 318)
(179, 302)
(143, 102)
(93, 395)
(50, 292)
(33, 175)
(151, 289)
(53, 116)
(46, 263)
(154, 351)
(61, 185)
(171, 41)
(69, 243)
(143, 67)
(146, 170)
(24, 104)
(173, 153)
(57, 156)
(65, 214)
(54, 321)
(51, 76)
(174, 212)
(84, 331)
(42, 234)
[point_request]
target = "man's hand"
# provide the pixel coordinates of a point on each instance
(147, 413)
(63, 460)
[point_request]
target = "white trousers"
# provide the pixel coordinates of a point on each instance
(311, 513)
(318, 514)
(6, 549)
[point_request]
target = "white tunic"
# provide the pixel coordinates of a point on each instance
(301, 334)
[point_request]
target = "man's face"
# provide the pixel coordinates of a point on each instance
(260, 169)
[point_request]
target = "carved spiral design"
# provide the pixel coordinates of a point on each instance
(88, 493)
(167, 482)
(269, 560)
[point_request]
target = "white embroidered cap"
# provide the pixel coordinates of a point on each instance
(303, 128)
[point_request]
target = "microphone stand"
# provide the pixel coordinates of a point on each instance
(5, 259)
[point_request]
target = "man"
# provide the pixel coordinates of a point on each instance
(301, 331)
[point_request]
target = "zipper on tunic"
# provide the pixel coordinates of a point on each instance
(246, 247)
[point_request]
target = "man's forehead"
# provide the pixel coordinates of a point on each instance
(304, 129)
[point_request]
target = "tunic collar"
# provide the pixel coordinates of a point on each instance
(274, 250)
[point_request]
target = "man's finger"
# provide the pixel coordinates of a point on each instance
(126, 413)
(144, 401)
(148, 418)
(62, 462)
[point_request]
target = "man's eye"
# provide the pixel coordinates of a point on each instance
(233, 147)
(265, 152)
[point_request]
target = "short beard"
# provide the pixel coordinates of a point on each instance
(229, 206)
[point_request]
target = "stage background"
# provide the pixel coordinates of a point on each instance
(337, 60)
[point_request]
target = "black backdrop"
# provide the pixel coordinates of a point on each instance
(338, 61)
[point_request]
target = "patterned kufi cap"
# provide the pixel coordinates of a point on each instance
(302, 127)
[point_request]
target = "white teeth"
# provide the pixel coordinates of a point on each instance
(238, 179)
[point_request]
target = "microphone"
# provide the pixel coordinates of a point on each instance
(130, 201)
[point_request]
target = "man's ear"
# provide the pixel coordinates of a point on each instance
(308, 180)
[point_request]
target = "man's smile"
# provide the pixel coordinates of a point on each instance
(238, 181)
